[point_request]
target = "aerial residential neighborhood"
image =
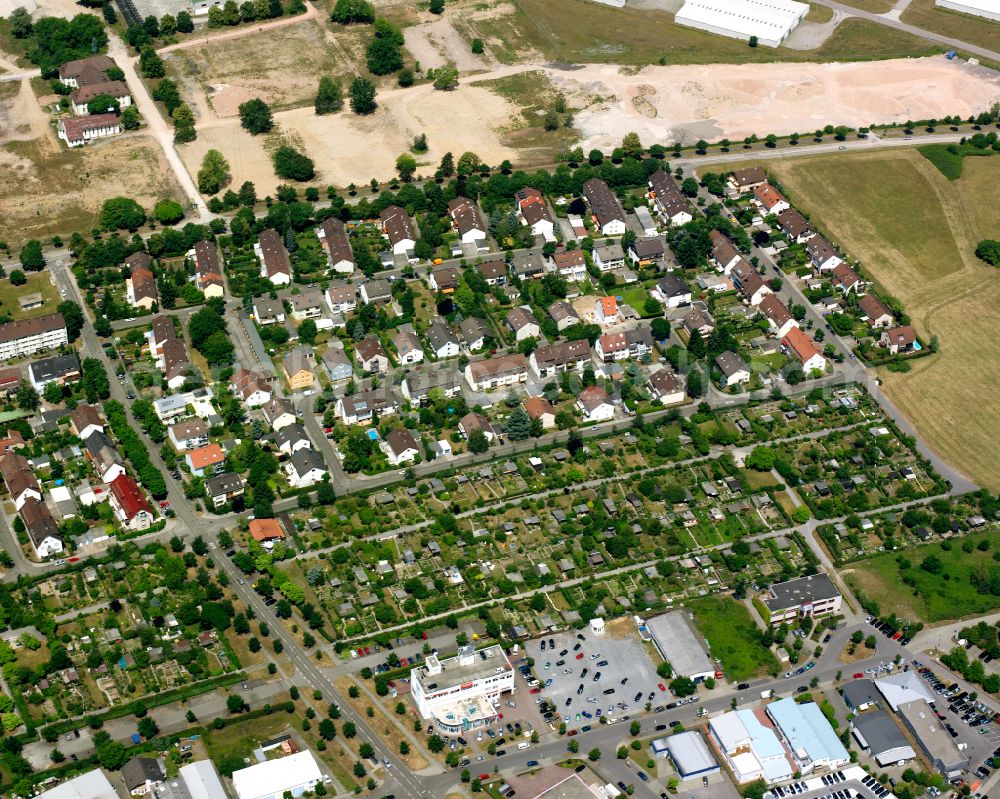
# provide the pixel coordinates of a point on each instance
(566, 400)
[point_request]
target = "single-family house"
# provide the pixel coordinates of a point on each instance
(746, 180)
(666, 199)
(646, 250)
(161, 331)
(472, 422)
(468, 221)
(305, 468)
(278, 412)
(130, 504)
(493, 272)
(724, 253)
(562, 313)
(418, 383)
(795, 226)
(821, 254)
(332, 234)
(570, 264)
(540, 409)
(769, 199)
(595, 404)
(84, 420)
(442, 339)
(250, 387)
(107, 461)
(337, 365)
(223, 488)
(358, 408)
(474, 333)
(802, 348)
(275, 264)
(751, 285)
(606, 310)
(874, 311)
(208, 269)
(291, 438)
(189, 434)
(698, 319)
(140, 288)
(899, 339)
(266, 531)
(666, 386)
(847, 280)
(307, 304)
(534, 212)
(522, 323)
(607, 211)
(204, 460)
(19, 480)
(608, 257)
(341, 298)
(408, 348)
(297, 366)
(779, 319)
(672, 291)
(445, 280)
(400, 446)
(734, 369)
(399, 229)
(268, 312)
(377, 292)
(370, 356)
(43, 532)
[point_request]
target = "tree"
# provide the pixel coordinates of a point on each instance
(183, 118)
(31, 256)
(150, 64)
(17, 277)
(478, 442)
(184, 22)
(255, 116)
(988, 250)
(330, 96)
(760, 459)
(406, 165)
(362, 94)
(168, 212)
(20, 23)
(519, 425)
(436, 6)
(478, 47)
(73, 316)
(147, 727)
(445, 78)
(214, 172)
(130, 116)
(385, 51)
(594, 755)
(683, 686)
(234, 703)
(753, 41)
(112, 755)
(631, 145)
(447, 167)
(122, 213)
(290, 164)
(103, 104)
(435, 744)
(347, 11)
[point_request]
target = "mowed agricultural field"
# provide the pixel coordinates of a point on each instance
(963, 27)
(915, 233)
(48, 188)
(958, 590)
(602, 34)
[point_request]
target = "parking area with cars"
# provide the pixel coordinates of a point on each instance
(585, 676)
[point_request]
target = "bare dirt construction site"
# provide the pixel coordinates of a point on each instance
(681, 103)
(915, 232)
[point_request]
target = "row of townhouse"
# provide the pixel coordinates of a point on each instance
(169, 351)
(304, 466)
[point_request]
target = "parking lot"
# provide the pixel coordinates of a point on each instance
(604, 676)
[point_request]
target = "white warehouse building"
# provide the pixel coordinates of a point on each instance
(294, 774)
(769, 20)
(463, 692)
(989, 9)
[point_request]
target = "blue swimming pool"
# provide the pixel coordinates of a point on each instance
(373, 435)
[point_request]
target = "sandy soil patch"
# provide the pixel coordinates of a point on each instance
(436, 43)
(686, 103)
(49, 189)
(351, 149)
(21, 116)
(282, 67)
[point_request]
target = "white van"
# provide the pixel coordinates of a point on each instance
(523, 745)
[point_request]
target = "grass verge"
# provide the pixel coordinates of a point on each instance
(733, 637)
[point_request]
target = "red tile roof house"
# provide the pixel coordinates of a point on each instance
(468, 221)
(274, 262)
(847, 280)
(266, 531)
(77, 131)
(207, 269)
(399, 229)
(541, 409)
(606, 310)
(770, 200)
(800, 347)
(140, 288)
(534, 213)
(595, 404)
(205, 459)
(115, 89)
(899, 339)
(129, 503)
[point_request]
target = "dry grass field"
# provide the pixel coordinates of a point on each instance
(963, 27)
(915, 233)
(49, 189)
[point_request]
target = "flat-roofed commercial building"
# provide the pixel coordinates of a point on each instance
(932, 738)
(294, 774)
(810, 737)
(689, 753)
(462, 692)
(679, 643)
(881, 737)
(770, 21)
(815, 595)
(751, 748)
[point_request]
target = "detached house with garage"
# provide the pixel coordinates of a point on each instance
(408, 348)
(474, 333)
(279, 412)
(672, 291)
(140, 288)
(522, 323)
(332, 234)
(268, 312)
(468, 221)
(821, 254)
(84, 420)
(666, 386)
(595, 404)
(204, 460)
(746, 180)
(802, 348)
(899, 339)
(399, 229)
(734, 369)
(607, 211)
(445, 280)
(795, 226)
(540, 409)
(874, 311)
(562, 313)
(698, 319)
(275, 264)
(400, 446)
(534, 212)
(305, 468)
(769, 199)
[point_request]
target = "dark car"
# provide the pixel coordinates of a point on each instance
(608, 691)
(743, 686)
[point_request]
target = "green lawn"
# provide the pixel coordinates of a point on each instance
(635, 296)
(961, 588)
(733, 637)
(38, 283)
